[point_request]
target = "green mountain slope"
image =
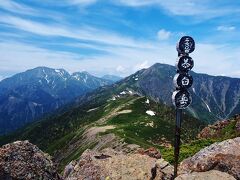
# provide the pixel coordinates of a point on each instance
(107, 122)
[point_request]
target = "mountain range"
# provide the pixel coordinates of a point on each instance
(213, 97)
(135, 110)
(27, 96)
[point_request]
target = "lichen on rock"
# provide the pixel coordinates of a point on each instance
(223, 156)
(209, 175)
(23, 160)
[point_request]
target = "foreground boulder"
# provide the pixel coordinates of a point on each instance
(223, 156)
(110, 164)
(211, 175)
(23, 160)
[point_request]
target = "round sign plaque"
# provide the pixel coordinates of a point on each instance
(186, 45)
(181, 99)
(184, 63)
(183, 80)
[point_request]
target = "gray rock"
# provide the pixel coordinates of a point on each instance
(110, 164)
(223, 156)
(211, 175)
(23, 160)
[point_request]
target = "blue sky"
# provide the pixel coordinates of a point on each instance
(117, 36)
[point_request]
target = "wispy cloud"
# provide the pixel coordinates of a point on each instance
(137, 3)
(199, 9)
(25, 56)
(80, 33)
(81, 2)
(117, 60)
(142, 65)
(226, 28)
(122, 52)
(14, 7)
(163, 34)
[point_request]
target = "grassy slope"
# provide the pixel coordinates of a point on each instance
(56, 134)
(189, 149)
(135, 127)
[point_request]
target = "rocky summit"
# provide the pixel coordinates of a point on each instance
(110, 164)
(23, 160)
(223, 156)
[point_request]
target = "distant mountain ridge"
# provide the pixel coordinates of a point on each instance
(26, 96)
(214, 97)
(112, 77)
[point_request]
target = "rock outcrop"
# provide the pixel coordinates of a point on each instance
(223, 156)
(152, 152)
(211, 175)
(219, 161)
(216, 130)
(23, 160)
(110, 164)
(237, 126)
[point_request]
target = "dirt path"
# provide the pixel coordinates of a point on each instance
(93, 131)
(90, 135)
(116, 112)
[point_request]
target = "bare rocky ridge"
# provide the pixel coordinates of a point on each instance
(223, 156)
(23, 160)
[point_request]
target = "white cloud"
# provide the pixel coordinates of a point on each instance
(120, 69)
(142, 65)
(123, 61)
(204, 9)
(123, 55)
(17, 57)
(82, 33)
(81, 2)
(136, 3)
(12, 6)
(207, 56)
(163, 34)
(226, 28)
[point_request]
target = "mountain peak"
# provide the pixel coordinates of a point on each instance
(85, 72)
(162, 65)
(40, 91)
(82, 76)
(43, 71)
(82, 73)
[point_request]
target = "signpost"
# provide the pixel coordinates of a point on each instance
(181, 98)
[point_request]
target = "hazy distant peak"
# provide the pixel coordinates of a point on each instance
(162, 65)
(111, 77)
